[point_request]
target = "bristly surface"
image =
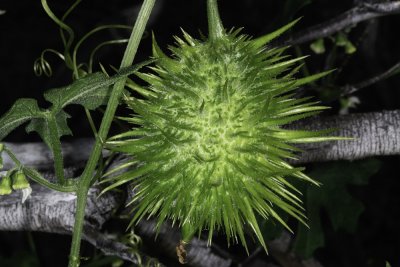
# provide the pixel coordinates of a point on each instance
(208, 140)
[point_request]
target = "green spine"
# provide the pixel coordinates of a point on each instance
(209, 141)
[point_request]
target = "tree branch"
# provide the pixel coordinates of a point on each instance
(365, 11)
(375, 134)
(352, 88)
(38, 155)
(198, 253)
(280, 250)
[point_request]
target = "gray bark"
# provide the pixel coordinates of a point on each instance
(375, 134)
(38, 156)
(349, 89)
(54, 212)
(198, 253)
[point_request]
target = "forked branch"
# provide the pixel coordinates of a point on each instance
(352, 17)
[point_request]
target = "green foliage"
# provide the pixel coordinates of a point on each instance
(333, 197)
(22, 111)
(90, 92)
(43, 126)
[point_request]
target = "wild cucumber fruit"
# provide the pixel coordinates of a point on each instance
(208, 140)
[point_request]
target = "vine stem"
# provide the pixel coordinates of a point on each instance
(37, 177)
(65, 27)
(86, 177)
(56, 149)
(215, 27)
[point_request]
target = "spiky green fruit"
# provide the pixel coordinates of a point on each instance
(208, 140)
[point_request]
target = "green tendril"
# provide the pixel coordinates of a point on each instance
(89, 34)
(98, 47)
(67, 42)
(64, 17)
(42, 66)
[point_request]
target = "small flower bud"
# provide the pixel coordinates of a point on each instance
(19, 181)
(5, 185)
(318, 46)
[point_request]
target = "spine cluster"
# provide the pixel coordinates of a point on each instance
(208, 143)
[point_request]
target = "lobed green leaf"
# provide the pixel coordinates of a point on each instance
(23, 110)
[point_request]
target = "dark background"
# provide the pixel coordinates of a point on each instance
(25, 31)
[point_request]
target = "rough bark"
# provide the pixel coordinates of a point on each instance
(349, 89)
(54, 212)
(375, 134)
(198, 253)
(38, 156)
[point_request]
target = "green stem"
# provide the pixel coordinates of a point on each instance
(94, 51)
(89, 34)
(63, 26)
(215, 27)
(85, 181)
(37, 177)
(56, 149)
(66, 14)
(74, 5)
(91, 122)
